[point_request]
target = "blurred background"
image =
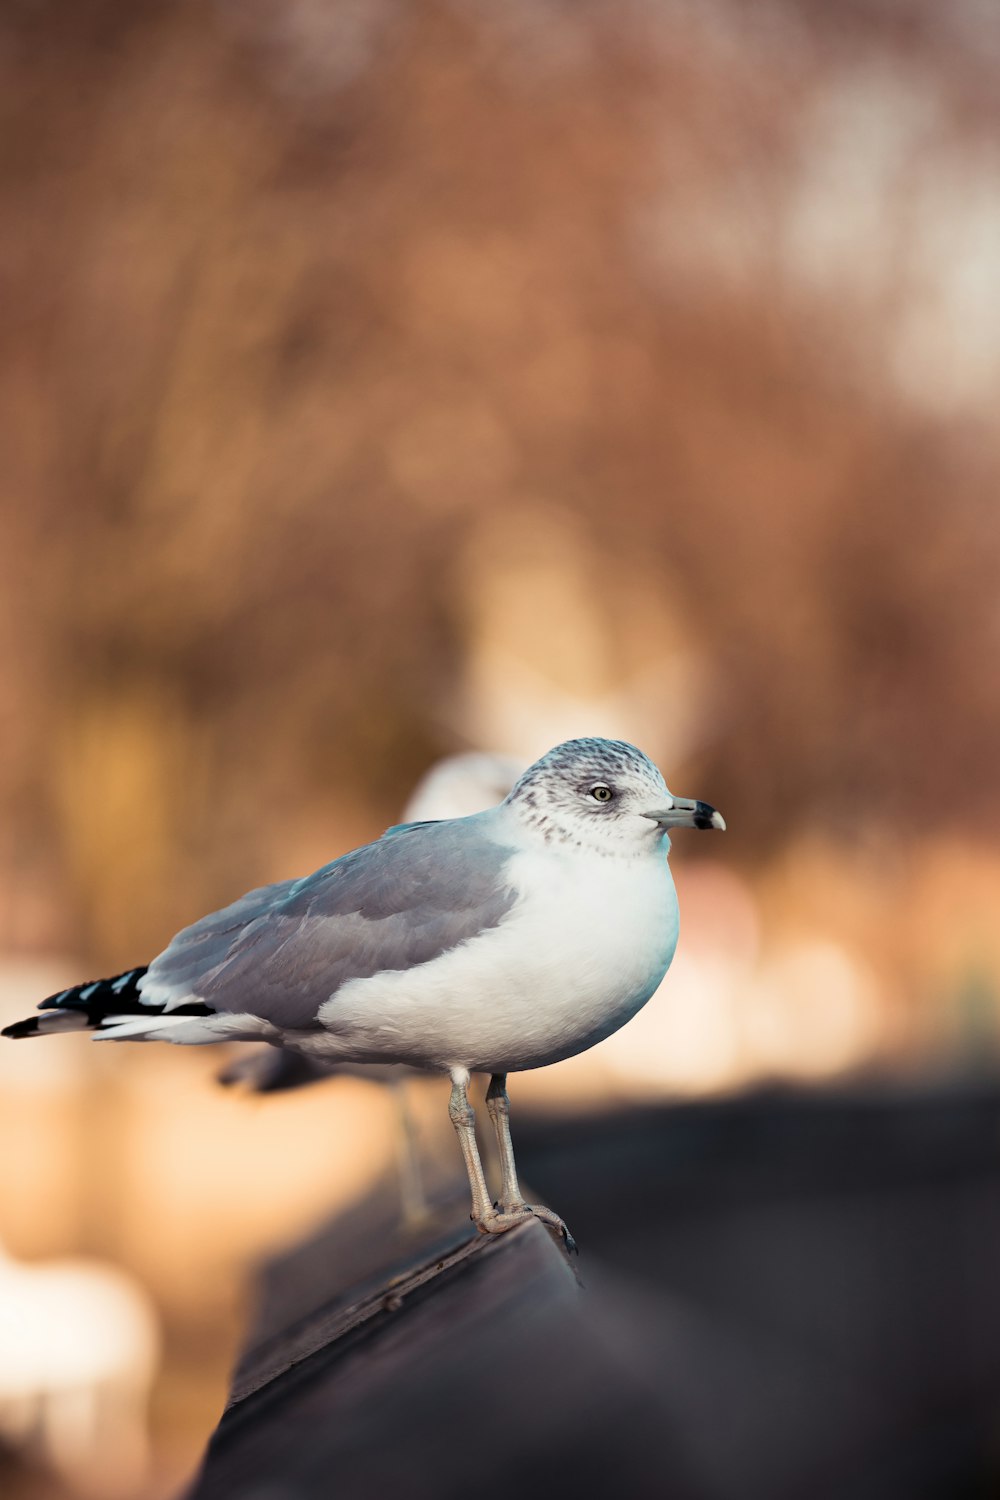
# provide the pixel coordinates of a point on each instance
(382, 381)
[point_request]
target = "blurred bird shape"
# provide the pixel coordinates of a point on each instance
(78, 1350)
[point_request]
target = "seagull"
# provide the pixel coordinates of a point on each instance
(494, 943)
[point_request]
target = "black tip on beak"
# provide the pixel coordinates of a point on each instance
(705, 816)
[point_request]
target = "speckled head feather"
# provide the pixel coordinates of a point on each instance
(556, 794)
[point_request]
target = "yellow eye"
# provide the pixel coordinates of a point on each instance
(601, 793)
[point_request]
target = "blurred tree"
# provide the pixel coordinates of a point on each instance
(303, 302)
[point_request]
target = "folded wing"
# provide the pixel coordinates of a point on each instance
(281, 951)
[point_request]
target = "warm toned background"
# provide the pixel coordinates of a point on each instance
(384, 380)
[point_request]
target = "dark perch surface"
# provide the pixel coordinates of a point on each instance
(777, 1296)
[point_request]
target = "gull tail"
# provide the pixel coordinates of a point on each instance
(95, 1006)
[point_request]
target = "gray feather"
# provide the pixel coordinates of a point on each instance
(280, 952)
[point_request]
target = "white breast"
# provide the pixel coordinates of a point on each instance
(584, 948)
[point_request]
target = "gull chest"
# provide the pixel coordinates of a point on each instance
(584, 951)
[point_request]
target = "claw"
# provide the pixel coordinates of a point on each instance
(509, 1218)
(554, 1222)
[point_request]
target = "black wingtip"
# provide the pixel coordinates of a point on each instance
(21, 1029)
(59, 1020)
(99, 997)
(83, 1006)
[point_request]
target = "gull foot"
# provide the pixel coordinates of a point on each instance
(508, 1218)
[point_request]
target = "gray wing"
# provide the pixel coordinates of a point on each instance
(281, 951)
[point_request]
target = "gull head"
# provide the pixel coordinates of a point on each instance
(603, 793)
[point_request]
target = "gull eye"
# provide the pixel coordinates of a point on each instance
(601, 793)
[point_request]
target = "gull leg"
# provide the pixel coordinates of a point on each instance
(513, 1208)
(411, 1181)
(499, 1107)
(462, 1116)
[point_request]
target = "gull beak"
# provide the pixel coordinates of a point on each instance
(684, 812)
